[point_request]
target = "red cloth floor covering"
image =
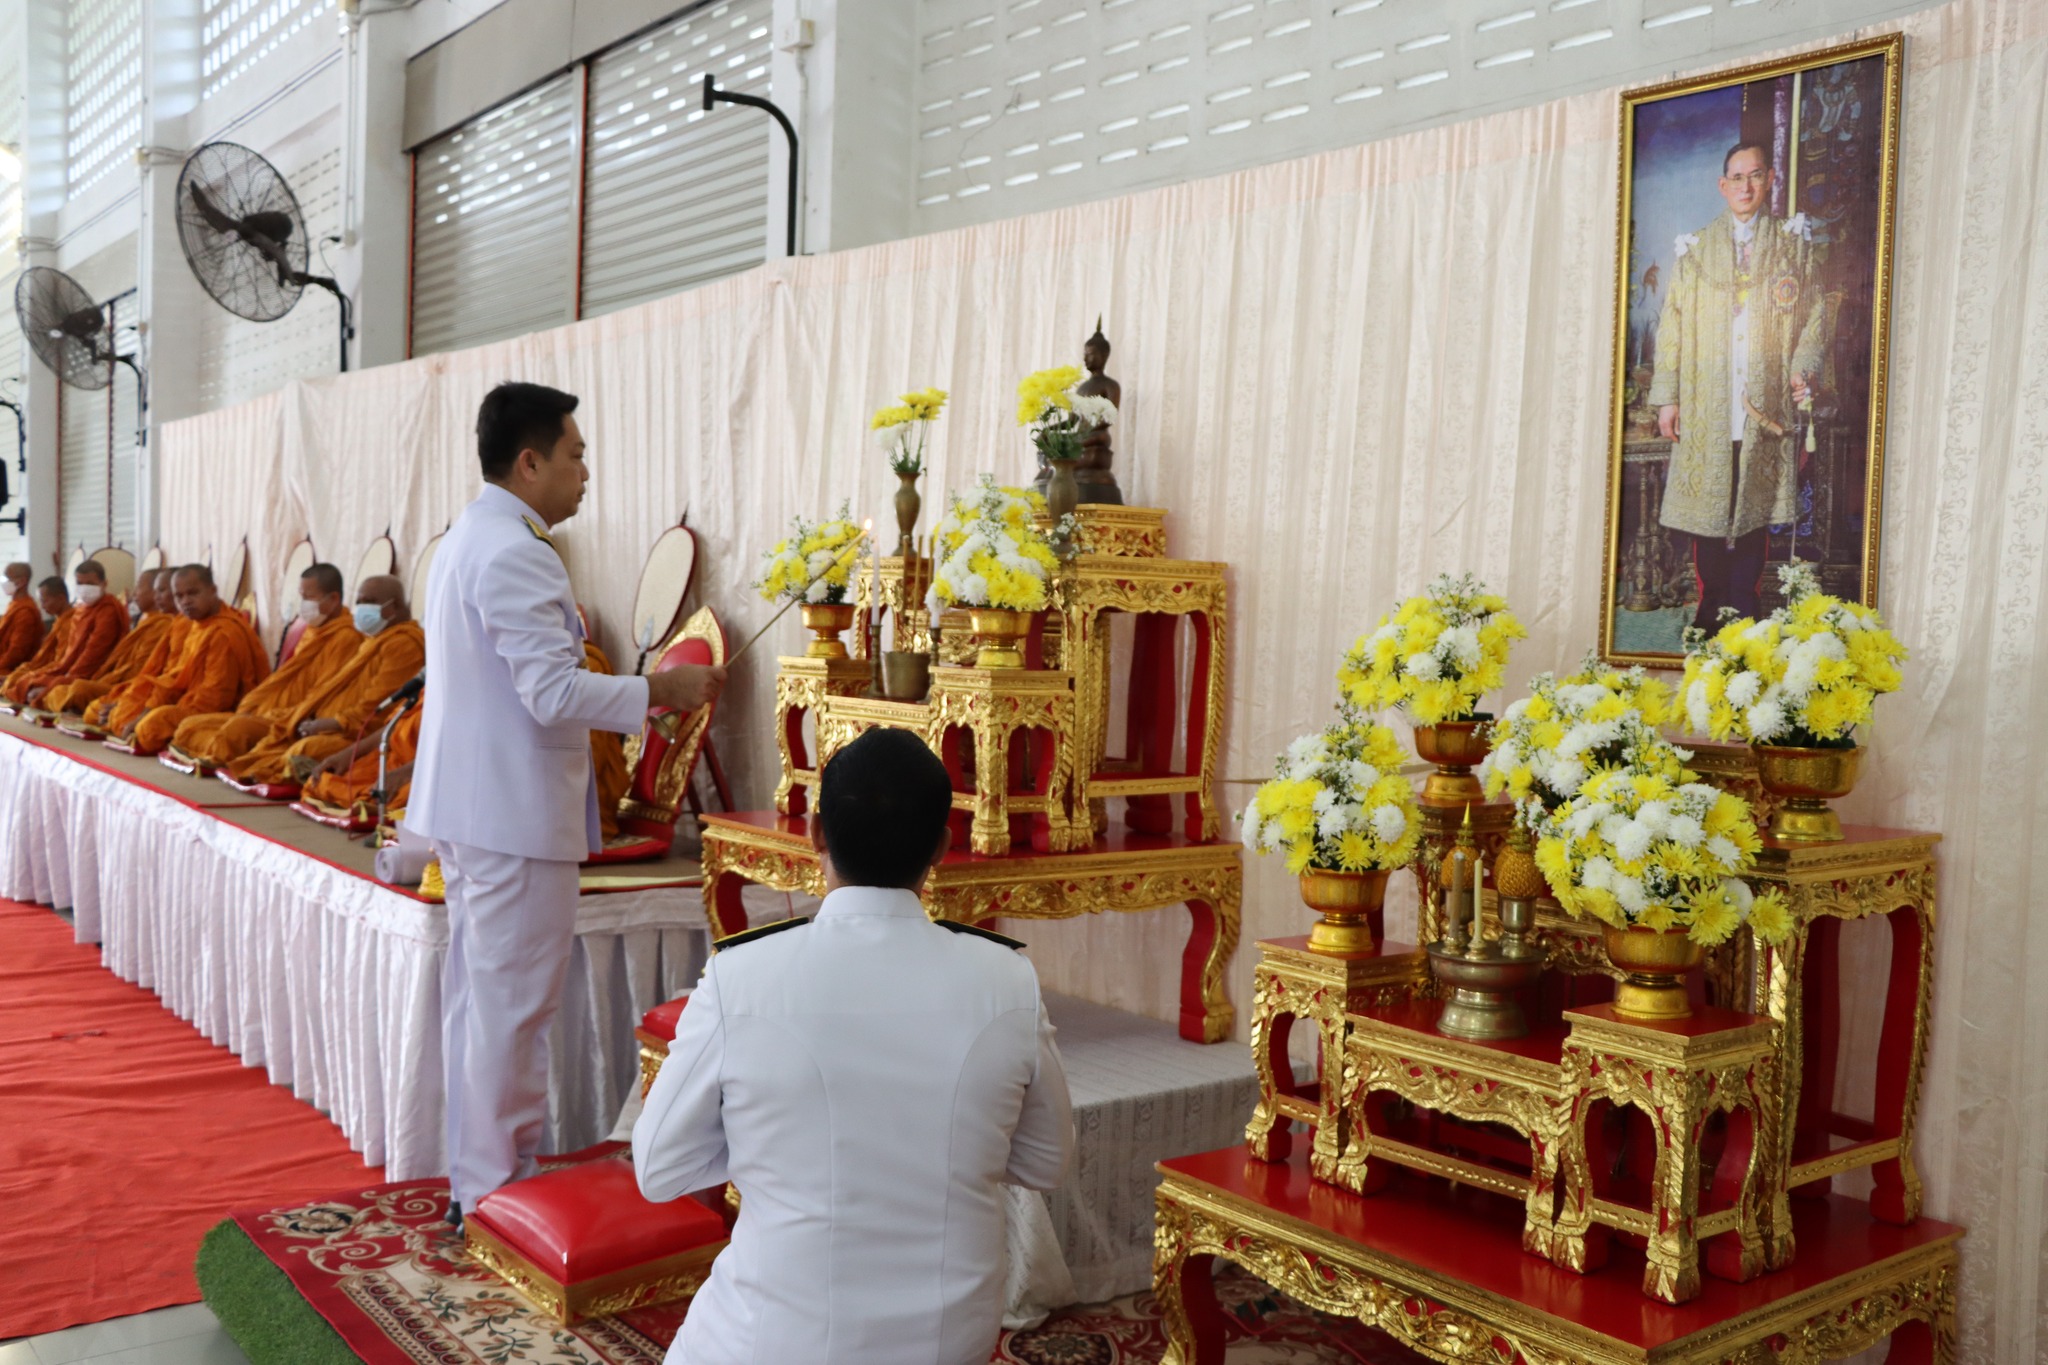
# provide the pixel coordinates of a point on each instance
(124, 1136)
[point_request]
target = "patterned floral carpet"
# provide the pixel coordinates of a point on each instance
(381, 1267)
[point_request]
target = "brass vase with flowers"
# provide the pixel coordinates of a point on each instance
(1654, 964)
(1805, 780)
(1340, 810)
(1346, 904)
(1455, 747)
(826, 621)
(903, 428)
(1000, 634)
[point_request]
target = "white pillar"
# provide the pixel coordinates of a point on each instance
(858, 119)
(42, 197)
(376, 186)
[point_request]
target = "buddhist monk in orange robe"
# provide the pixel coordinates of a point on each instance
(221, 659)
(55, 600)
(160, 618)
(344, 780)
(99, 622)
(21, 625)
(390, 651)
(329, 642)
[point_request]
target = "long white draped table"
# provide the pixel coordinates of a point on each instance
(269, 936)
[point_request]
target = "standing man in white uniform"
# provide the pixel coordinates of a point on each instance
(503, 784)
(866, 1079)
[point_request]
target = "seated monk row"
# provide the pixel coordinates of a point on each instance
(81, 644)
(344, 782)
(324, 696)
(21, 624)
(157, 617)
(203, 670)
(53, 601)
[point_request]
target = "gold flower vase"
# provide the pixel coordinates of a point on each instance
(1805, 780)
(1655, 963)
(1346, 903)
(1000, 632)
(1454, 746)
(827, 621)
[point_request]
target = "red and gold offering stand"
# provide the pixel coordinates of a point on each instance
(1029, 755)
(1557, 1196)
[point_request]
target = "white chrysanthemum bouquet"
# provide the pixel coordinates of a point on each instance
(1337, 801)
(991, 552)
(1547, 743)
(1804, 677)
(812, 563)
(1435, 655)
(1643, 844)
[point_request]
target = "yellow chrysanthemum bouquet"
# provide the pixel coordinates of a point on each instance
(903, 427)
(1337, 801)
(1545, 745)
(813, 563)
(1644, 845)
(1435, 655)
(1060, 419)
(991, 552)
(1805, 676)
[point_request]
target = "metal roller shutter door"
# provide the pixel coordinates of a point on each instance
(494, 233)
(675, 196)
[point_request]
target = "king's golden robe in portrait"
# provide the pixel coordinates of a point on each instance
(1787, 313)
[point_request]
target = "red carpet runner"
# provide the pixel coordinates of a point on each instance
(124, 1136)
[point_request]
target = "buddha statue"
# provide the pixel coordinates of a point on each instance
(1092, 472)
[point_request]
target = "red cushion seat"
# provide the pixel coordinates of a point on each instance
(584, 1221)
(660, 1022)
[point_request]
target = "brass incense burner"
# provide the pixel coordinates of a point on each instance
(1479, 976)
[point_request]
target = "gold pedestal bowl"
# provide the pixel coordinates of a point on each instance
(1345, 902)
(1655, 963)
(1454, 746)
(1805, 780)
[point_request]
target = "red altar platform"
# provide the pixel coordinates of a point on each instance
(1441, 1268)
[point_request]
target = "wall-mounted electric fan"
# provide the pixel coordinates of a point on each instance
(245, 237)
(74, 336)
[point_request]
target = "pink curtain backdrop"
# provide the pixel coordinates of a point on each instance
(1343, 375)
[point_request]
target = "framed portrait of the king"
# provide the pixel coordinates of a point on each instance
(1753, 276)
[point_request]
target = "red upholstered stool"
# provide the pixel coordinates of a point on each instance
(581, 1242)
(657, 1030)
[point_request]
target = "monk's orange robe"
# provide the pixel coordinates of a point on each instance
(97, 629)
(382, 663)
(221, 660)
(21, 630)
(217, 738)
(343, 792)
(607, 756)
(96, 700)
(47, 653)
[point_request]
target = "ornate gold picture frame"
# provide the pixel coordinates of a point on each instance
(1752, 292)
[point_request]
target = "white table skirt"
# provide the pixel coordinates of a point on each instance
(327, 979)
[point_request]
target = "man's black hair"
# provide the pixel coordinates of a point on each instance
(202, 572)
(516, 417)
(56, 585)
(1759, 148)
(883, 801)
(92, 567)
(325, 577)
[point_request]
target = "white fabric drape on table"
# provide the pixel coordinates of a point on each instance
(329, 981)
(1342, 375)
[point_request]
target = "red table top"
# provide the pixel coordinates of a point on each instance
(797, 828)
(1467, 1235)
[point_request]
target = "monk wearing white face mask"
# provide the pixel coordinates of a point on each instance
(100, 620)
(21, 625)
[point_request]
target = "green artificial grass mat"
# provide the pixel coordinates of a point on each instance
(259, 1307)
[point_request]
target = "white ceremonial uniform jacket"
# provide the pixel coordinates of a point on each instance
(865, 1080)
(504, 749)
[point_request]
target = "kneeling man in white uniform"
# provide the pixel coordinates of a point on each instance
(866, 1079)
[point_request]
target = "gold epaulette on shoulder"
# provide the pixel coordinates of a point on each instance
(719, 945)
(962, 927)
(540, 532)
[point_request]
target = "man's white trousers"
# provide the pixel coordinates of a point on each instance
(511, 923)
